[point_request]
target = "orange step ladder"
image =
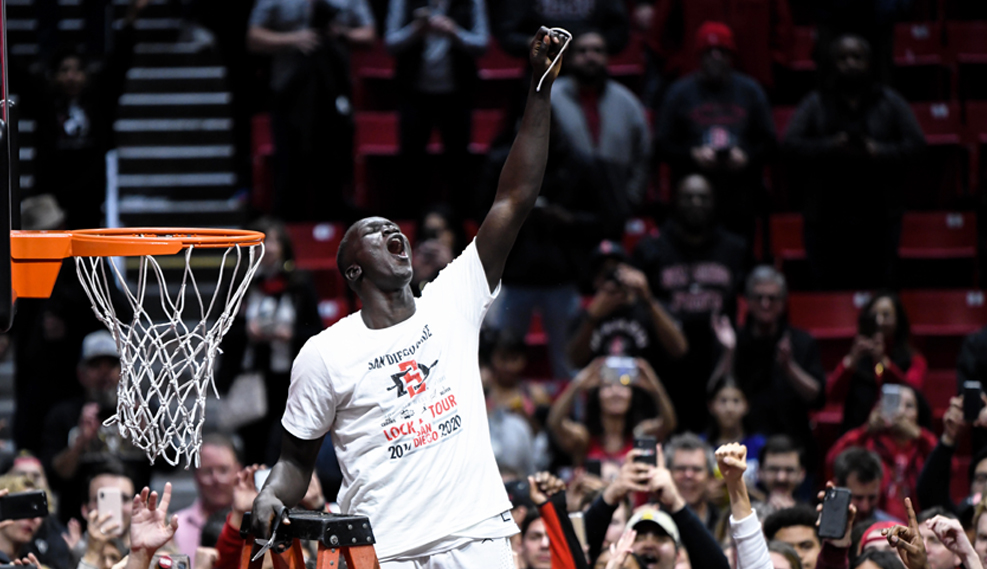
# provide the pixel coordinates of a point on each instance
(338, 535)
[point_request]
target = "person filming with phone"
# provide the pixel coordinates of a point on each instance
(624, 399)
(881, 354)
(895, 433)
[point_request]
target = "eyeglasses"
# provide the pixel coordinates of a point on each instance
(980, 477)
(686, 468)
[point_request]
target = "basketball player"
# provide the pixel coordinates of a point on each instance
(398, 383)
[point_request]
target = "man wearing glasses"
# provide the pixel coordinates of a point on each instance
(776, 365)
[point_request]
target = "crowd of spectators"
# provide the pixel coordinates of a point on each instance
(642, 345)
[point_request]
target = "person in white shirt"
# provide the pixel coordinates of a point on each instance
(397, 384)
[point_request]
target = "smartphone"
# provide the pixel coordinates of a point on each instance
(170, 561)
(620, 369)
(834, 517)
(109, 502)
(972, 401)
(260, 477)
(593, 466)
(23, 505)
(890, 400)
(647, 447)
(868, 326)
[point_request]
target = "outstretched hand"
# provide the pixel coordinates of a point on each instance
(29, 560)
(731, 458)
(845, 541)
(908, 540)
(149, 525)
(544, 48)
(620, 550)
(952, 536)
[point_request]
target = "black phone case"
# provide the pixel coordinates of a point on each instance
(832, 522)
(972, 404)
(32, 504)
(648, 445)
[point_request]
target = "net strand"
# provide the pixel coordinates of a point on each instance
(167, 368)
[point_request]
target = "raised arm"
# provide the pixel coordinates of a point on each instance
(287, 483)
(521, 178)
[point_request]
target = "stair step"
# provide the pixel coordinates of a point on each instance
(175, 152)
(173, 132)
(203, 180)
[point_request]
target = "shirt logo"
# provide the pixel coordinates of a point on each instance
(410, 380)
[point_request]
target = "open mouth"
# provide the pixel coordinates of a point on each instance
(395, 246)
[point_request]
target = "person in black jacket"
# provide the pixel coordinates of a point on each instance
(74, 112)
(851, 143)
(435, 45)
(515, 20)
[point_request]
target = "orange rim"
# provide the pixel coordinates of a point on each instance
(130, 241)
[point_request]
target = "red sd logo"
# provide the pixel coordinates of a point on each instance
(410, 380)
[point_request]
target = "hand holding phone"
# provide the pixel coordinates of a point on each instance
(24, 505)
(890, 401)
(973, 401)
(646, 447)
(109, 504)
(835, 513)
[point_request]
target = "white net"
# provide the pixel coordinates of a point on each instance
(167, 362)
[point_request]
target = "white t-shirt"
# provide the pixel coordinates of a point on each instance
(407, 416)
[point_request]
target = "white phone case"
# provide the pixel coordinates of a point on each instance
(110, 502)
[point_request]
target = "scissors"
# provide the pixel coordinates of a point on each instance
(269, 543)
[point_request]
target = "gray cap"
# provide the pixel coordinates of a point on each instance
(99, 344)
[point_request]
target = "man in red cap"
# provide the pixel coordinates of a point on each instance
(717, 122)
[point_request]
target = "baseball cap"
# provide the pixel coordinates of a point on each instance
(714, 34)
(99, 344)
(518, 492)
(869, 535)
(658, 517)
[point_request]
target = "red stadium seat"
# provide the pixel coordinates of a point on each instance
(945, 312)
(938, 235)
(940, 386)
(630, 61)
(804, 43)
(495, 64)
(826, 315)
(374, 63)
(967, 42)
(940, 122)
(261, 153)
(786, 237)
(918, 43)
(377, 132)
(315, 244)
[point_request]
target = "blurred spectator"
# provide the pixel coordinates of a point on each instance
(513, 442)
(881, 354)
(606, 517)
(851, 143)
(603, 120)
(621, 403)
(903, 445)
(76, 442)
(518, 20)
(939, 555)
(435, 45)
(691, 462)
(108, 475)
(279, 314)
(971, 365)
(796, 526)
(215, 480)
(623, 318)
(439, 238)
(312, 118)
(781, 470)
(695, 269)
(39, 536)
(777, 365)
(74, 110)
(657, 541)
(860, 471)
(729, 410)
(229, 544)
(574, 212)
(717, 122)
(872, 20)
(763, 33)
(878, 559)
(933, 486)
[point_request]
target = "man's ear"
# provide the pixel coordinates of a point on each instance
(353, 273)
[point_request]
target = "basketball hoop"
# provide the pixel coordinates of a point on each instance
(166, 366)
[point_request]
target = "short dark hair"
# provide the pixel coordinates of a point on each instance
(533, 514)
(882, 558)
(801, 515)
(865, 463)
(781, 444)
(689, 442)
(786, 551)
(222, 441)
(929, 513)
(110, 467)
